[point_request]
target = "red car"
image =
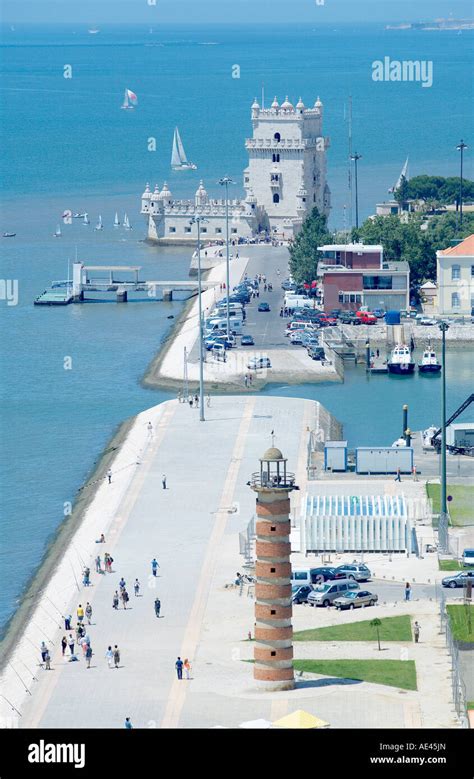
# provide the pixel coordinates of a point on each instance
(327, 321)
(367, 319)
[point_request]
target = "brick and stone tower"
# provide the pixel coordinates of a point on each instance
(273, 653)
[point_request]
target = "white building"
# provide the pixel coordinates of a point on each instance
(455, 277)
(284, 181)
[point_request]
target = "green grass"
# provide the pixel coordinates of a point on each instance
(458, 619)
(449, 565)
(470, 705)
(460, 507)
(391, 629)
(394, 673)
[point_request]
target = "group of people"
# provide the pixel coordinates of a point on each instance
(248, 379)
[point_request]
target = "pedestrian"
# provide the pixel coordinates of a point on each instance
(44, 651)
(250, 379)
(281, 311)
(67, 622)
(179, 668)
(196, 401)
(398, 477)
(180, 397)
(109, 656)
(80, 614)
(415, 475)
(47, 661)
(136, 588)
(85, 577)
(157, 607)
(109, 475)
(122, 584)
(98, 564)
(149, 427)
(128, 723)
(416, 632)
(154, 566)
(407, 591)
(88, 613)
(187, 668)
(378, 352)
(84, 644)
(246, 380)
(71, 643)
(79, 633)
(190, 402)
(88, 656)
(163, 481)
(125, 598)
(110, 560)
(64, 645)
(208, 401)
(115, 601)
(116, 656)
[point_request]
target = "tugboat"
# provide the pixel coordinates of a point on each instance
(429, 362)
(400, 361)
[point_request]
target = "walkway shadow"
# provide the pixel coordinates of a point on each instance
(328, 682)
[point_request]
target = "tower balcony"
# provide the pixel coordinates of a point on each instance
(272, 482)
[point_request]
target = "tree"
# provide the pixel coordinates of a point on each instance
(444, 190)
(402, 193)
(304, 255)
(376, 623)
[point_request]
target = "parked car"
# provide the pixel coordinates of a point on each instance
(357, 571)
(427, 321)
(218, 351)
(354, 600)
(288, 285)
(379, 313)
(327, 321)
(255, 363)
(296, 337)
(458, 579)
(366, 318)
(299, 593)
(326, 594)
(347, 317)
(335, 313)
(324, 574)
(316, 352)
(226, 340)
(263, 307)
(247, 340)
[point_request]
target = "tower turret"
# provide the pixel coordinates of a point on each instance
(201, 197)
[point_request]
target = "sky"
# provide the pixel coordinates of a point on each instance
(229, 11)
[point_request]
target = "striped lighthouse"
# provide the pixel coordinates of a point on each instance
(273, 653)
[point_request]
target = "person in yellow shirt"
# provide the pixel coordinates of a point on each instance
(80, 613)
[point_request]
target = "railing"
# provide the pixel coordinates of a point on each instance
(273, 482)
(458, 687)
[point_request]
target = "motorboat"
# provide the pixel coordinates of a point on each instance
(9, 235)
(401, 362)
(429, 362)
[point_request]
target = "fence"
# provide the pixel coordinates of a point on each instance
(458, 687)
(247, 544)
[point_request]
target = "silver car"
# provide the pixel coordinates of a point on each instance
(356, 571)
(325, 594)
(356, 599)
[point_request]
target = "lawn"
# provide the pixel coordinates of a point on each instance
(460, 507)
(449, 565)
(391, 629)
(394, 673)
(458, 619)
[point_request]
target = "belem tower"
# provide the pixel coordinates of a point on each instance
(284, 180)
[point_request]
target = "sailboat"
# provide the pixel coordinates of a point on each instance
(86, 220)
(403, 175)
(179, 160)
(99, 225)
(93, 31)
(116, 220)
(130, 100)
(58, 232)
(126, 223)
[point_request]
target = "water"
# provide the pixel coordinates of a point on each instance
(67, 145)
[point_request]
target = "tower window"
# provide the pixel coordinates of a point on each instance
(273, 528)
(272, 570)
(277, 137)
(272, 612)
(276, 197)
(272, 654)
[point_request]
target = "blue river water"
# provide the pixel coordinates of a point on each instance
(67, 145)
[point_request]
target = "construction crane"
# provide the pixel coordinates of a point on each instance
(435, 441)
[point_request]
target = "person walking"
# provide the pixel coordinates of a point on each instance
(125, 598)
(154, 566)
(407, 591)
(208, 401)
(115, 600)
(398, 477)
(416, 632)
(109, 476)
(157, 607)
(64, 645)
(109, 656)
(128, 723)
(44, 651)
(163, 481)
(88, 613)
(187, 668)
(190, 402)
(415, 475)
(47, 661)
(98, 564)
(71, 643)
(179, 668)
(149, 427)
(116, 656)
(136, 588)
(122, 584)
(67, 622)
(80, 614)
(88, 656)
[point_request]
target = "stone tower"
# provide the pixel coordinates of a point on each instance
(287, 163)
(273, 653)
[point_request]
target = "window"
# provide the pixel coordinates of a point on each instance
(341, 297)
(172, 229)
(377, 282)
(203, 229)
(455, 300)
(276, 197)
(472, 271)
(234, 230)
(219, 230)
(187, 229)
(455, 272)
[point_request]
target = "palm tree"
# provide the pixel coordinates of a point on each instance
(375, 623)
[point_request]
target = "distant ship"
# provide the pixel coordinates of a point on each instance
(130, 100)
(403, 175)
(93, 31)
(400, 361)
(9, 235)
(179, 161)
(429, 362)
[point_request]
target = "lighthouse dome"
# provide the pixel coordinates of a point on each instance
(147, 193)
(165, 194)
(286, 105)
(300, 105)
(275, 103)
(272, 454)
(255, 105)
(201, 196)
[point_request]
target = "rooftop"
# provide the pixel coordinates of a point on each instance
(394, 267)
(350, 247)
(463, 249)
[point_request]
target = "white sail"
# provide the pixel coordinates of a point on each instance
(182, 153)
(116, 220)
(86, 219)
(403, 174)
(179, 161)
(99, 225)
(58, 233)
(175, 158)
(126, 223)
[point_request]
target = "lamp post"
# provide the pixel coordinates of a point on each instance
(224, 182)
(443, 519)
(197, 220)
(460, 147)
(355, 158)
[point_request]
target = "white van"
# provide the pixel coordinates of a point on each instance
(222, 306)
(221, 324)
(468, 557)
(300, 326)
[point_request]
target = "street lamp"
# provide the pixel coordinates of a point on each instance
(197, 220)
(224, 182)
(355, 158)
(443, 518)
(460, 147)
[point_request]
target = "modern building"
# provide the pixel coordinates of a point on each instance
(273, 652)
(455, 277)
(355, 274)
(285, 179)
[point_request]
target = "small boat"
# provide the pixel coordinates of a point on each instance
(179, 161)
(86, 220)
(429, 362)
(116, 220)
(400, 361)
(93, 31)
(58, 232)
(130, 100)
(78, 215)
(99, 225)
(126, 223)
(9, 235)
(403, 175)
